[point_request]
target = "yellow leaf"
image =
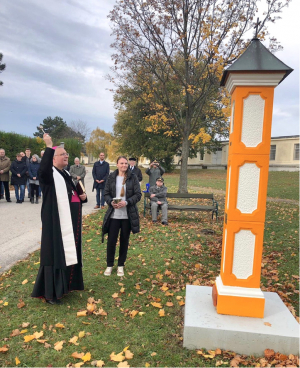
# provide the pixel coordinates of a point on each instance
(25, 324)
(28, 338)
(164, 288)
(115, 295)
(41, 341)
(267, 324)
(86, 323)
(128, 354)
(100, 312)
(153, 354)
(77, 355)
(157, 305)
(161, 312)
(147, 365)
(89, 240)
(36, 263)
(100, 363)
(58, 345)
(123, 365)
(37, 335)
(168, 293)
(23, 331)
(24, 282)
(169, 304)
(82, 313)
(122, 290)
(87, 357)
(78, 365)
(17, 361)
(141, 313)
(178, 297)
(81, 334)
(5, 304)
(117, 357)
(127, 347)
(133, 313)
(181, 303)
(59, 325)
(90, 307)
(74, 340)
(21, 304)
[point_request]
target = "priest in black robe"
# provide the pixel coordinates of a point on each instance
(61, 255)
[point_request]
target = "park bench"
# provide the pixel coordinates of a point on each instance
(212, 206)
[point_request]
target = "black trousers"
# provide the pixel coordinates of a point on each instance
(34, 188)
(6, 189)
(113, 233)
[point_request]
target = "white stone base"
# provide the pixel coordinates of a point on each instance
(205, 328)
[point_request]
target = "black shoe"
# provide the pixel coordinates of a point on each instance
(32, 200)
(18, 201)
(165, 223)
(37, 201)
(8, 200)
(154, 221)
(54, 301)
(2, 196)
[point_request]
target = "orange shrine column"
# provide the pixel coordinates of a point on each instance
(237, 289)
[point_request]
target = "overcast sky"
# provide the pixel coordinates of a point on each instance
(57, 54)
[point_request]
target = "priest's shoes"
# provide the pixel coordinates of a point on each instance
(54, 301)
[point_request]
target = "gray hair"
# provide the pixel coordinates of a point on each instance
(76, 158)
(2, 149)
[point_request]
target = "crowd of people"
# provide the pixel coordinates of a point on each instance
(50, 175)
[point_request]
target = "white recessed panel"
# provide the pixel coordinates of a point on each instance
(228, 189)
(248, 188)
(253, 120)
(225, 241)
(243, 256)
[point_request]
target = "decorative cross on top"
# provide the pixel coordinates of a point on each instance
(257, 24)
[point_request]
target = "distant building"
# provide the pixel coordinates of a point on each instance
(284, 156)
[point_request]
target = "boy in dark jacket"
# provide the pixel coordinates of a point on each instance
(33, 178)
(158, 196)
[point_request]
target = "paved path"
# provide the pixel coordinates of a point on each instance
(20, 226)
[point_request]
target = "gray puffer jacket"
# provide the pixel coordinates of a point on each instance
(160, 193)
(133, 196)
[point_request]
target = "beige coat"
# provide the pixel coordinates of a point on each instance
(5, 166)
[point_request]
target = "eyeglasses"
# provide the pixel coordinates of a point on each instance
(63, 154)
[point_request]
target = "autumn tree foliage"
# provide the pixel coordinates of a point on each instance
(180, 48)
(101, 141)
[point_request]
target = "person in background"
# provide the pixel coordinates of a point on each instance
(2, 191)
(4, 174)
(154, 171)
(158, 197)
(122, 215)
(77, 171)
(22, 155)
(18, 170)
(60, 269)
(100, 174)
(134, 169)
(27, 159)
(33, 178)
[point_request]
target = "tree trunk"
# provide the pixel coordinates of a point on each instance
(183, 180)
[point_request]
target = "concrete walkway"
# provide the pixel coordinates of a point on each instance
(21, 225)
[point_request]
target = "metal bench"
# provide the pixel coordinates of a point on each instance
(213, 207)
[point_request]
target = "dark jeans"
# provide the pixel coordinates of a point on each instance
(28, 187)
(99, 190)
(6, 188)
(22, 192)
(113, 233)
(34, 188)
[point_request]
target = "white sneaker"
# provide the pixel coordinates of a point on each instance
(120, 271)
(108, 270)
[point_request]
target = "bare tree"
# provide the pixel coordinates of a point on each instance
(185, 43)
(2, 67)
(81, 127)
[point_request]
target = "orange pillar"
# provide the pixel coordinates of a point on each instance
(237, 289)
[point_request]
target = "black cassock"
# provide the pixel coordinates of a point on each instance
(59, 273)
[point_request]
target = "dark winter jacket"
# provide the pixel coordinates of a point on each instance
(133, 195)
(18, 167)
(137, 172)
(100, 172)
(33, 170)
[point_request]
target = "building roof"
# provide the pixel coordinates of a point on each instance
(257, 58)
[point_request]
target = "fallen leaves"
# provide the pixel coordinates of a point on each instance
(97, 363)
(73, 340)
(267, 324)
(17, 361)
(24, 282)
(161, 313)
(117, 357)
(58, 345)
(59, 325)
(156, 305)
(21, 304)
(4, 349)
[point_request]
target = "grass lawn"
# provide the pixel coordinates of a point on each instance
(161, 261)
